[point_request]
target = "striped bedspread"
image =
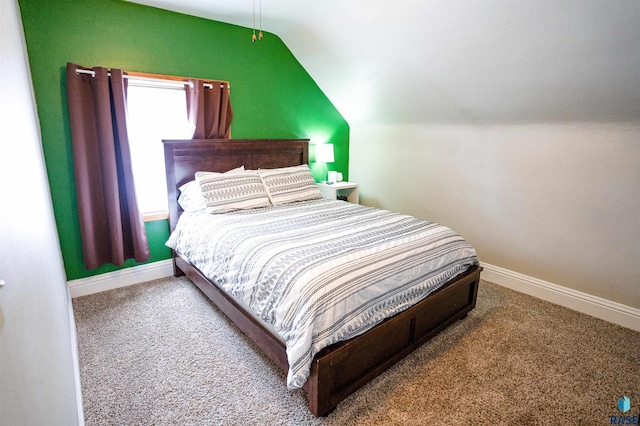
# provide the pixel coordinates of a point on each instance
(321, 271)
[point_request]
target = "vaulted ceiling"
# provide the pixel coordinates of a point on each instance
(456, 61)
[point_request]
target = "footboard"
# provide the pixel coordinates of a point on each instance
(341, 369)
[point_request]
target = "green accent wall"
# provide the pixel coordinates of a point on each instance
(271, 93)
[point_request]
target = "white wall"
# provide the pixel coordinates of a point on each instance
(558, 202)
(39, 378)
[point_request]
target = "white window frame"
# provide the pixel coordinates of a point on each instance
(156, 111)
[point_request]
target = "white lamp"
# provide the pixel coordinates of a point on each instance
(324, 154)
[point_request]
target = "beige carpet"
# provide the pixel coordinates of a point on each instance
(160, 353)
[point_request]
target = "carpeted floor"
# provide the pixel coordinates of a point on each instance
(160, 353)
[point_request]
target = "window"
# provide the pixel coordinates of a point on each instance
(154, 113)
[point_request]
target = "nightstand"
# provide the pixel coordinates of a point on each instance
(334, 190)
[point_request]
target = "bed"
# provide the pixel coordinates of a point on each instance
(340, 368)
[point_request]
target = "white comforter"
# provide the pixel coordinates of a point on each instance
(321, 271)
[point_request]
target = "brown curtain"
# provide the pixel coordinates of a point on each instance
(111, 226)
(209, 109)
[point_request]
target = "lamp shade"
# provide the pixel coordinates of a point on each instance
(324, 153)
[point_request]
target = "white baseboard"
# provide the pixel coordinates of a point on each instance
(121, 278)
(76, 361)
(598, 307)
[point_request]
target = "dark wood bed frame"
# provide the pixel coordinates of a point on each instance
(341, 369)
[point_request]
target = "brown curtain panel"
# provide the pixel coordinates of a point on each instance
(209, 109)
(111, 226)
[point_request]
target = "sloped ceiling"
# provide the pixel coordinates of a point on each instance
(456, 61)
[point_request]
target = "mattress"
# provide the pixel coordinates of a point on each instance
(321, 271)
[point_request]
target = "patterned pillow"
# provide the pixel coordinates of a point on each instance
(191, 198)
(232, 191)
(290, 184)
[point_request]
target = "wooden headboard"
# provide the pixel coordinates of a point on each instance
(185, 157)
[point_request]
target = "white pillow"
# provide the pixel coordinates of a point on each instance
(191, 198)
(290, 184)
(232, 191)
